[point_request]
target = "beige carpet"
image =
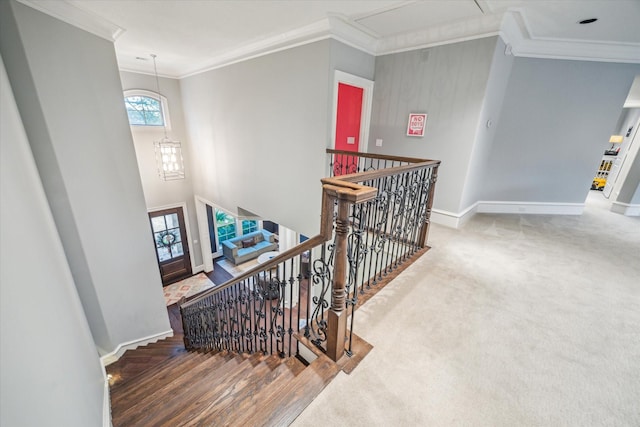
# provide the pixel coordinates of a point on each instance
(236, 270)
(510, 321)
(187, 287)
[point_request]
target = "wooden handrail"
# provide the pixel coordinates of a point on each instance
(379, 173)
(339, 193)
(333, 188)
(380, 156)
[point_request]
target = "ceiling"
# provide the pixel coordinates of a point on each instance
(190, 36)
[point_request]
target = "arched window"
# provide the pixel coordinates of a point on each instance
(144, 108)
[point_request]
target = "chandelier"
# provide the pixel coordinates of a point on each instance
(168, 152)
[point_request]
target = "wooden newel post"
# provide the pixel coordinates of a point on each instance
(337, 316)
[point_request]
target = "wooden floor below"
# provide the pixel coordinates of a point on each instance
(162, 384)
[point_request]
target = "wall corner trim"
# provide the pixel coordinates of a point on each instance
(106, 405)
(625, 209)
(453, 220)
(112, 357)
(80, 18)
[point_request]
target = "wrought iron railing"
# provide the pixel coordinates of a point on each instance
(373, 220)
(348, 162)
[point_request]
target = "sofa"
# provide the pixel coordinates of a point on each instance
(246, 247)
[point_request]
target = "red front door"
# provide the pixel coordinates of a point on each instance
(348, 121)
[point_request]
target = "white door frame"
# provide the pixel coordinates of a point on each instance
(627, 160)
(203, 227)
(367, 102)
(203, 223)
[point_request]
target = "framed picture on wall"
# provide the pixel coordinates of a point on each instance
(416, 125)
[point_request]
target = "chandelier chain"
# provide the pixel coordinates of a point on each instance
(155, 72)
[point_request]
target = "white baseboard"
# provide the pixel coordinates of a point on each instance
(538, 208)
(108, 359)
(625, 209)
(457, 220)
(453, 220)
(197, 269)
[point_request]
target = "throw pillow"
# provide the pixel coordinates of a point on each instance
(248, 243)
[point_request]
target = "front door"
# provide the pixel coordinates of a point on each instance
(172, 247)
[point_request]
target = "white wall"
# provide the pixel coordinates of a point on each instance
(260, 130)
(623, 192)
(157, 192)
(635, 200)
(446, 82)
(69, 94)
(556, 118)
(51, 373)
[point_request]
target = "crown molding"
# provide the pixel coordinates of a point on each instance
(511, 25)
(353, 34)
(561, 49)
(308, 34)
(515, 32)
(330, 27)
(148, 73)
(66, 11)
(477, 28)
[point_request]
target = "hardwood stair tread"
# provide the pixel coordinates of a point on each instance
(134, 362)
(289, 397)
(196, 390)
(231, 397)
(164, 396)
(258, 386)
(157, 376)
(183, 388)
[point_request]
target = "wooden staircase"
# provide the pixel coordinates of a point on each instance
(164, 385)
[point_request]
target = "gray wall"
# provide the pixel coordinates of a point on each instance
(261, 127)
(449, 84)
(487, 124)
(260, 130)
(157, 192)
(351, 60)
(555, 119)
(51, 373)
(69, 94)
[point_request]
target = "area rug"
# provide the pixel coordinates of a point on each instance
(187, 287)
(236, 270)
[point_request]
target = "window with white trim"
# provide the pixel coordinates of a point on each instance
(146, 108)
(249, 226)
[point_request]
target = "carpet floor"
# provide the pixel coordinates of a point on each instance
(511, 320)
(187, 287)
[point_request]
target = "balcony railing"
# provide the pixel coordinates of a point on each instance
(375, 215)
